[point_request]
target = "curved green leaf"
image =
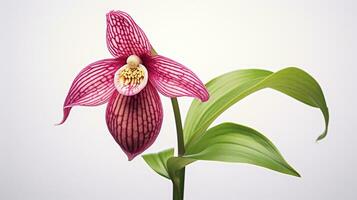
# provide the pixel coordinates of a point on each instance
(229, 88)
(231, 142)
(158, 161)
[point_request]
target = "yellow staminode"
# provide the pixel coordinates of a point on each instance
(131, 75)
(131, 78)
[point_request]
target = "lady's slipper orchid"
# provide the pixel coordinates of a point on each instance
(129, 83)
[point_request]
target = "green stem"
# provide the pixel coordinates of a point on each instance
(178, 191)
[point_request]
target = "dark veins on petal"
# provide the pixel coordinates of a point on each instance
(173, 79)
(93, 85)
(135, 121)
(124, 36)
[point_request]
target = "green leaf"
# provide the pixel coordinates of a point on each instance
(158, 161)
(231, 142)
(229, 88)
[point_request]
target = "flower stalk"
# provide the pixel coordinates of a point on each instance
(178, 190)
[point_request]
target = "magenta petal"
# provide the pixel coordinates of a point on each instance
(135, 121)
(172, 79)
(93, 85)
(124, 36)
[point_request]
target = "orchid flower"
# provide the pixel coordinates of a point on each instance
(130, 82)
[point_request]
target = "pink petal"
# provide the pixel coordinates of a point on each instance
(135, 121)
(172, 79)
(124, 36)
(93, 85)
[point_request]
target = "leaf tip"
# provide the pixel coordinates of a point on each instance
(322, 136)
(297, 174)
(293, 172)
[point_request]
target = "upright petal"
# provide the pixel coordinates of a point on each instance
(135, 121)
(172, 79)
(93, 85)
(124, 36)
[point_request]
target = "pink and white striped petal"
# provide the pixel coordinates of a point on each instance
(135, 121)
(172, 79)
(124, 36)
(93, 85)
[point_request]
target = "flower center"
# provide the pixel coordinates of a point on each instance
(131, 78)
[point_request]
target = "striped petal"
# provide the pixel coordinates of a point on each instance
(124, 36)
(172, 79)
(93, 85)
(135, 121)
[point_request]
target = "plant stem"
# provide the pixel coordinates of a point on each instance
(178, 191)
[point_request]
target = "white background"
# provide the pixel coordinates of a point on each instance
(45, 44)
